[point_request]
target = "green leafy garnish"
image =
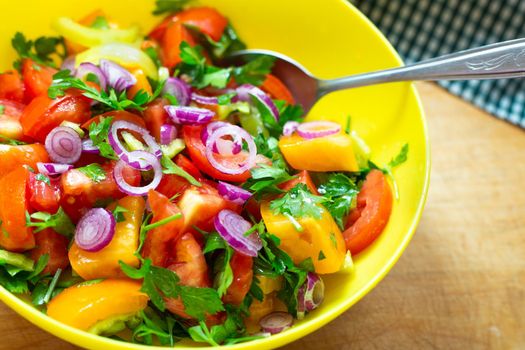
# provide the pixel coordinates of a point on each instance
(341, 193)
(40, 50)
(159, 282)
(298, 202)
(169, 167)
(255, 71)
(43, 178)
(10, 141)
(169, 6)
(227, 44)
(164, 327)
(118, 213)
(59, 222)
(100, 22)
(94, 171)
(98, 133)
(16, 274)
(2, 109)
(399, 159)
(221, 262)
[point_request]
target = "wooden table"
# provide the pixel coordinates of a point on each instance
(461, 282)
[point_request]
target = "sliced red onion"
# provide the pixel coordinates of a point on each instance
(95, 230)
(236, 133)
(117, 76)
(276, 322)
(245, 91)
(69, 64)
(147, 158)
(63, 145)
(204, 100)
(226, 147)
(233, 193)
(318, 128)
(311, 293)
(126, 155)
(179, 89)
(89, 147)
(52, 169)
(189, 115)
(211, 127)
(232, 227)
(168, 133)
(89, 68)
(289, 128)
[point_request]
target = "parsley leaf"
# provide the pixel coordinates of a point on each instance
(98, 133)
(255, 71)
(16, 275)
(43, 178)
(221, 263)
(39, 51)
(166, 328)
(100, 22)
(227, 44)
(94, 171)
(341, 193)
(10, 141)
(171, 168)
(298, 202)
(59, 222)
(169, 6)
(118, 213)
(400, 158)
(2, 109)
(160, 282)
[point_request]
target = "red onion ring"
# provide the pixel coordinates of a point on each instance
(63, 145)
(168, 133)
(289, 128)
(89, 68)
(318, 128)
(89, 147)
(144, 157)
(204, 100)
(237, 133)
(246, 90)
(232, 227)
(52, 169)
(233, 193)
(189, 115)
(276, 322)
(117, 76)
(225, 147)
(311, 293)
(179, 89)
(95, 230)
(126, 155)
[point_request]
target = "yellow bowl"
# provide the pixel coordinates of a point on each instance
(331, 38)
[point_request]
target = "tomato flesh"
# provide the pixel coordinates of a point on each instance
(43, 196)
(11, 86)
(242, 268)
(55, 246)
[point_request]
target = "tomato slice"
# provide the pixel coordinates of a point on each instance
(14, 235)
(172, 185)
(208, 20)
(37, 78)
(10, 125)
(157, 33)
(175, 34)
(43, 197)
(11, 86)
(13, 157)
(155, 116)
(369, 218)
(116, 115)
(242, 267)
(158, 241)
(44, 114)
(197, 152)
(302, 177)
(190, 265)
(276, 88)
(55, 246)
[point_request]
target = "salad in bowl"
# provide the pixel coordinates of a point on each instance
(152, 194)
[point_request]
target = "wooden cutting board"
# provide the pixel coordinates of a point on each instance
(461, 282)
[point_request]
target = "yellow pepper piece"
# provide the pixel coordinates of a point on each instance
(89, 37)
(141, 84)
(126, 55)
(83, 306)
(259, 309)
(269, 284)
(321, 240)
(105, 262)
(328, 153)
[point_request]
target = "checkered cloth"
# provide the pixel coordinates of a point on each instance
(421, 29)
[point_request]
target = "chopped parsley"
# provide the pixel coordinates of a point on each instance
(59, 222)
(2, 109)
(298, 202)
(118, 213)
(43, 178)
(98, 133)
(227, 44)
(40, 50)
(221, 263)
(341, 192)
(169, 6)
(171, 168)
(94, 171)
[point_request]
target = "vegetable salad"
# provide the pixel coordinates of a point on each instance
(145, 187)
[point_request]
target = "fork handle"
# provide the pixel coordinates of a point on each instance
(500, 60)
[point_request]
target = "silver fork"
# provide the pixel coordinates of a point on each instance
(496, 61)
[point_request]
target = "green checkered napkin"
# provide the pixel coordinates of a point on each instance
(421, 29)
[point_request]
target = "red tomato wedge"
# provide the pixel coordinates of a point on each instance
(44, 114)
(277, 90)
(197, 152)
(13, 157)
(43, 197)
(159, 240)
(10, 125)
(11, 86)
(155, 116)
(367, 221)
(53, 244)
(14, 235)
(175, 34)
(242, 267)
(208, 20)
(37, 79)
